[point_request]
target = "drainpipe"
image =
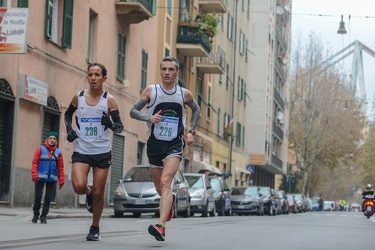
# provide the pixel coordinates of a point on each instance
(231, 97)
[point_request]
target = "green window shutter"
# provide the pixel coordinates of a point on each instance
(23, 3)
(121, 44)
(144, 70)
(49, 4)
(67, 24)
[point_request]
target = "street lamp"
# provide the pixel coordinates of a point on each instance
(342, 29)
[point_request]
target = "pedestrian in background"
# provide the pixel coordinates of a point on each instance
(92, 144)
(47, 169)
(166, 120)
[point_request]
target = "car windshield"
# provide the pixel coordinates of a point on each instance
(215, 183)
(237, 191)
(290, 198)
(280, 193)
(264, 191)
(251, 191)
(195, 181)
(298, 197)
(138, 175)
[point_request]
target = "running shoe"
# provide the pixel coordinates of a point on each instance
(43, 219)
(93, 234)
(89, 199)
(35, 219)
(157, 231)
(171, 213)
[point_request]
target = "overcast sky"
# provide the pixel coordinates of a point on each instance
(323, 17)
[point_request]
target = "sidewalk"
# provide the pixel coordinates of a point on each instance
(25, 213)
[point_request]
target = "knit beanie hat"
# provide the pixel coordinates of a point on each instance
(52, 133)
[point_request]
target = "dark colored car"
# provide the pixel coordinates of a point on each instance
(284, 202)
(277, 200)
(136, 193)
(268, 200)
(222, 196)
(247, 200)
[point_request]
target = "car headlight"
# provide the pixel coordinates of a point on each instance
(119, 192)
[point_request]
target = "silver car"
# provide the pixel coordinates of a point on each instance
(201, 193)
(136, 194)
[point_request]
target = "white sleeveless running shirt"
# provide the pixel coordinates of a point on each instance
(171, 102)
(93, 137)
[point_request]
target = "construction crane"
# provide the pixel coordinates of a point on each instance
(357, 74)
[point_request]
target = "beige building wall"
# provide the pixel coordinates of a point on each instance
(64, 71)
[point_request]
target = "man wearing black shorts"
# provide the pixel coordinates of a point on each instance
(166, 120)
(92, 144)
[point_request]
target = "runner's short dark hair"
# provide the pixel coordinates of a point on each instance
(171, 59)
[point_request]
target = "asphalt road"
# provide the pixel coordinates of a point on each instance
(311, 230)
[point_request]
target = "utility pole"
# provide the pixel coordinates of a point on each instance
(231, 97)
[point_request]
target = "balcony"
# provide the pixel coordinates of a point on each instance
(278, 98)
(212, 6)
(134, 11)
(192, 41)
(214, 63)
(279, 133)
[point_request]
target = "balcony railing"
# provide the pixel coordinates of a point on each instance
(278, 98)
(214, 63)
(134, 11)
(278, 131)
(280, 70)
(193, 42)
(212, 6)
(276, 161)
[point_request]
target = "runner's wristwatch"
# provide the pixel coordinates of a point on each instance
(191, 131)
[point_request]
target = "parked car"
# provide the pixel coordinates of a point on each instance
(284, 202)
(292, 203)
(355, 207)
(308, 203)
(328, 206)
(277, 200)
(268, 200)
(136, 193)
(315, 205)
(222, 195)
(300, 200)
(201, 193)
(247, 200)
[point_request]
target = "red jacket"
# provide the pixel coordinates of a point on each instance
(36, 158)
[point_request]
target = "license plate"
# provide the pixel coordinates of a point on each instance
(369, 208)
(140, 202)
(241, 206)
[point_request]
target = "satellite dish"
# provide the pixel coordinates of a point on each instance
(279, 10)
(287, 7)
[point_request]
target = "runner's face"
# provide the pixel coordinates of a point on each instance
(168, 72)
(95, 77)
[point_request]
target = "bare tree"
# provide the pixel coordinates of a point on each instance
(326, 119)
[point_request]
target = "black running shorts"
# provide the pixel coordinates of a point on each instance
(99, 160)
(158, 150)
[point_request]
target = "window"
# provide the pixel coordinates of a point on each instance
(243, 136)
(227, 81)
(121, 42)
(248, 9)
(240, 89)
(218, 120)
(209, 103)
(242, 42)
(92, 30)
(55, 19)
(169, 7)
(5, 3)
(140, 153)
(238, 134)
(230, 27)
(23, 3)
(144, 70)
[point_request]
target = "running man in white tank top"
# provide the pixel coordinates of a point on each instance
(166, 119)
(92, 144)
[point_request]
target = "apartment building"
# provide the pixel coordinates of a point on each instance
(268, 90)
(222, 63)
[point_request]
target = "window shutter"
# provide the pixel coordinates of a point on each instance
(23, 3)
(67, 24)
(48, 27)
